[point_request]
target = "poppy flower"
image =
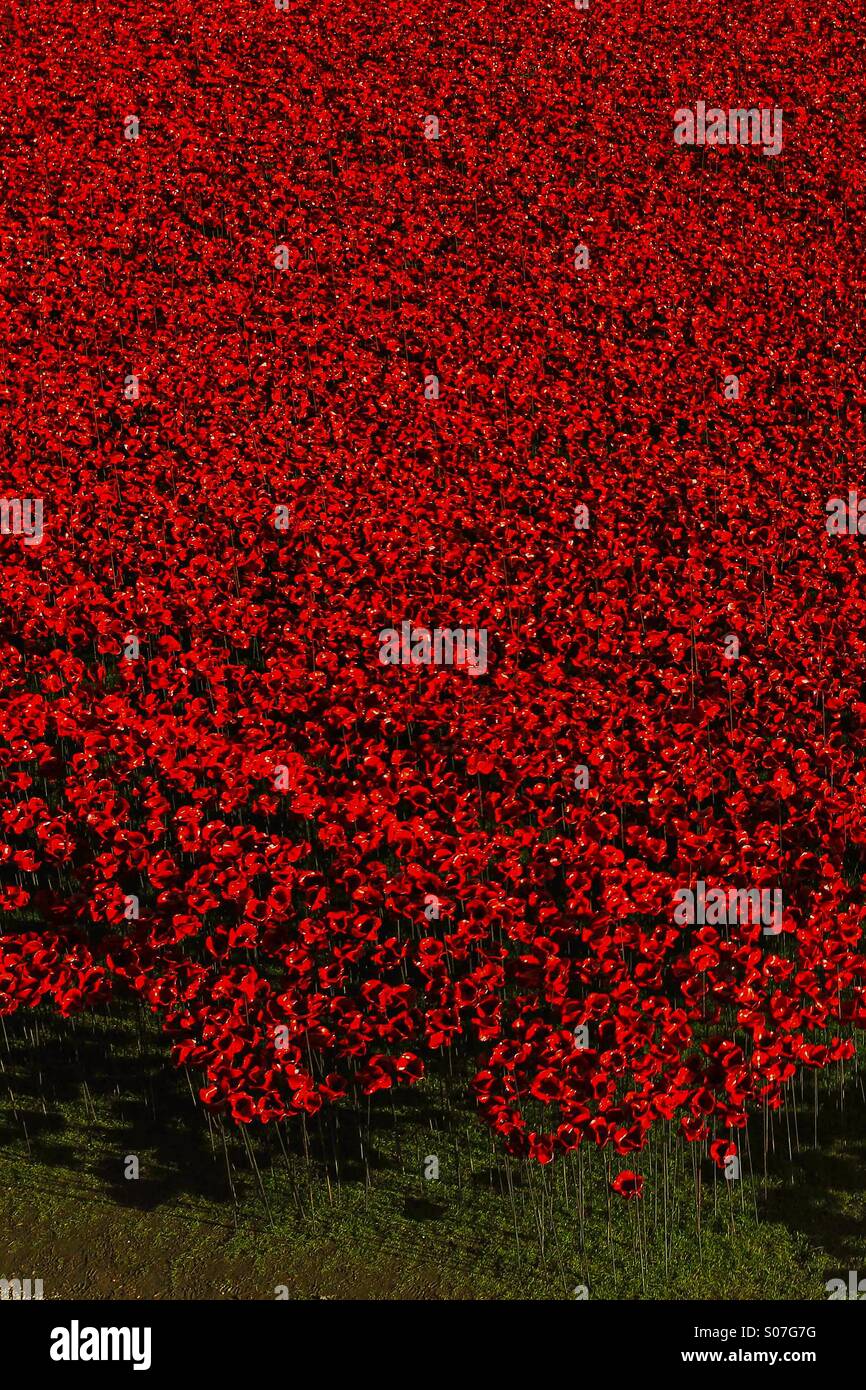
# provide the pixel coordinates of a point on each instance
(627, 1184)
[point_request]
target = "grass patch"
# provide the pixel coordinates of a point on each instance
(222, 1213)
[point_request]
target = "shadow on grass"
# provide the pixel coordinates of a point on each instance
(822, 1193)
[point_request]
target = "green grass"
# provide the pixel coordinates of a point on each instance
(213, 1216)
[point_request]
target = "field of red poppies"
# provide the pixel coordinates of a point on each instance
(326, 320)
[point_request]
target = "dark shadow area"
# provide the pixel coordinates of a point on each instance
(824, 1193)
(422, 1209)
